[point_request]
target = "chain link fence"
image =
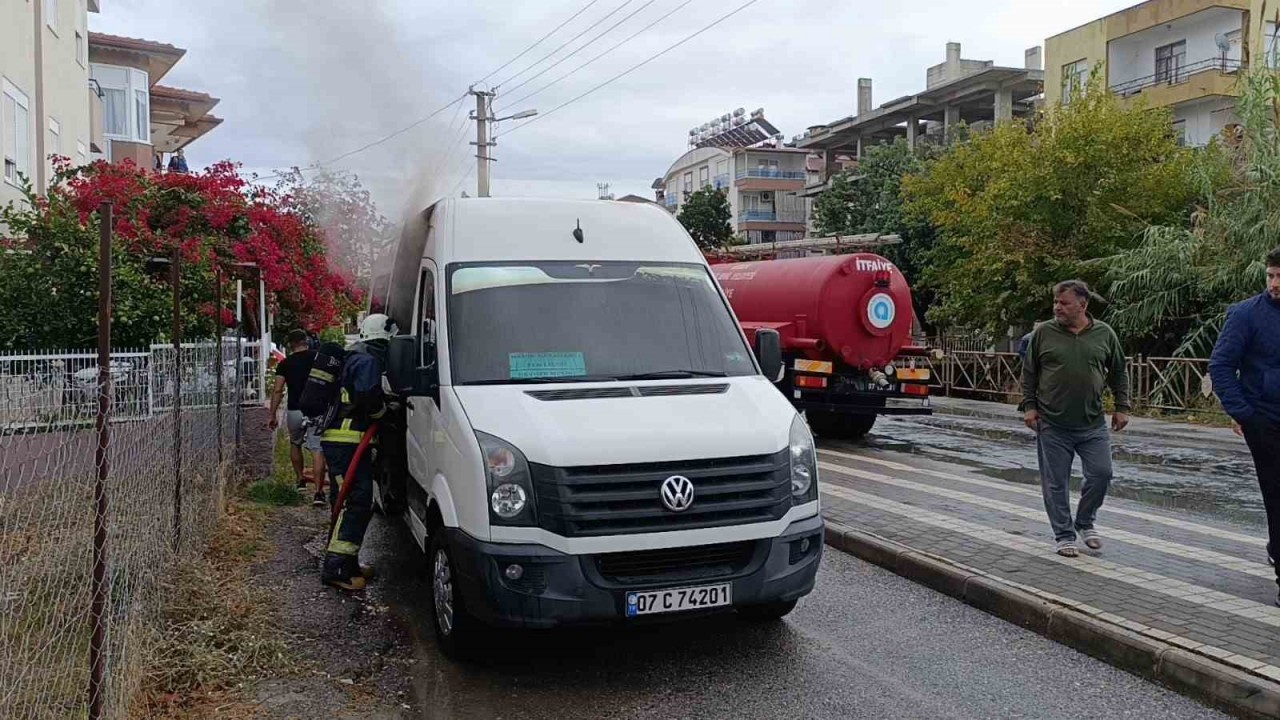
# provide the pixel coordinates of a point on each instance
(150, 496)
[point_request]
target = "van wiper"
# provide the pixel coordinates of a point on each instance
(674, 375)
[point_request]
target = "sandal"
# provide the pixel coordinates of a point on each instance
(1092, 539)
(1067, 548)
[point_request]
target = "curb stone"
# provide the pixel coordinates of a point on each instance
(1241, 693)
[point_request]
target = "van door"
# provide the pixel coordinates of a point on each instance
(422, 413)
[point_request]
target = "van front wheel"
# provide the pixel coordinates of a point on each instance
(454, 627)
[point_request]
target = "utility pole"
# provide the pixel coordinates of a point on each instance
(483, 115)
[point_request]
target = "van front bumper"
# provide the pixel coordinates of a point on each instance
(558, 589)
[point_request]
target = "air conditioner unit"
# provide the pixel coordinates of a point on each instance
(766, 197)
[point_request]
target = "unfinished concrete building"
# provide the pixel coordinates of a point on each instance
(977, 93)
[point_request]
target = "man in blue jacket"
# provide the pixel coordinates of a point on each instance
(1246, 377)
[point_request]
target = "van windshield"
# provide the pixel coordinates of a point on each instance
(576, 322)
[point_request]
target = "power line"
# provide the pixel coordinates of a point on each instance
(574, 71)
(635, 67)
(375, 143)
(550, 67)
(566, 43)
(524, 52)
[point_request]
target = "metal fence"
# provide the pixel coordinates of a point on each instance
(101, 495)
(1174, 385)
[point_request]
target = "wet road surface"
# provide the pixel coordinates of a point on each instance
(1211, 479)
(865, 644)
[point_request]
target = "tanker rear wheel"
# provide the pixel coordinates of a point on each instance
(839, 426)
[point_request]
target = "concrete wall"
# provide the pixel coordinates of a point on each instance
(1087, 42)
(64, 80)
(1133, 56)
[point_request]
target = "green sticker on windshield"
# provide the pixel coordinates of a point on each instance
(547, 365)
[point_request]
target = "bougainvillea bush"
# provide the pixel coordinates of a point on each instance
(211, 219)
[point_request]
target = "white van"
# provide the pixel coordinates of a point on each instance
(588, 435)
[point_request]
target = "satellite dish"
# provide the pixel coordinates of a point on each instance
(1223, 41)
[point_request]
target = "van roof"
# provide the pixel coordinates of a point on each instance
(497, 229)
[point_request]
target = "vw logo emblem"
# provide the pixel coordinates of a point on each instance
(677, 493)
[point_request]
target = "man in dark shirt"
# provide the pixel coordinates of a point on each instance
(1069, 361)
(1245, 369)
(291, 374)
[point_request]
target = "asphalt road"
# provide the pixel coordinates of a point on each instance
(866, 644)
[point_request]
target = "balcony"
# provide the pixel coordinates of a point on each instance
(1178, 76)
(791, 217)
(721, 181)
(771, 174)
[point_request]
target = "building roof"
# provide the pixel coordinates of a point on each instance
(136, 44)
(1024, 82)
(635, 199)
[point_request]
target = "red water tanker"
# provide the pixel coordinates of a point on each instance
(843, 321)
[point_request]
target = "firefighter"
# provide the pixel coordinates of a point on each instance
(360, 404)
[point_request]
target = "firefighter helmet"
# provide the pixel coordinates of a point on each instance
(378, 327)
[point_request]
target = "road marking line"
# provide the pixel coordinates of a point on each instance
(1187, 552)
(1185, 591)
(1007, 487)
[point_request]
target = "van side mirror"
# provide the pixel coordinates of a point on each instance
(769, 353)
(404, 373)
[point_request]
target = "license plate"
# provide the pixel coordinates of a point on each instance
(652, 602)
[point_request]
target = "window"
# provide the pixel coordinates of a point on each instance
(51, 15)
(688, 184)
(533, 322)
(427, 315)
(126, 100)
(767, 168)
(15, 125)
(82, 154)
(1170, 60)
(704, 176)
(80, 48)
(1180, 131)
(1075, 77)
(54, 146)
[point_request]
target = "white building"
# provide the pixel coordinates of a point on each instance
(46, 104)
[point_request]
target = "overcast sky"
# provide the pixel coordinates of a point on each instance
(304, 82)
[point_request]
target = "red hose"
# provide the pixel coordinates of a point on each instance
(351, 475)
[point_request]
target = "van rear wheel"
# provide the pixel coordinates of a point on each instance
(455, 628)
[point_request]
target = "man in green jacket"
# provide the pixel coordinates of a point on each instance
(1068, 363)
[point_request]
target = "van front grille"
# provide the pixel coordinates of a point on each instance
(619, 499)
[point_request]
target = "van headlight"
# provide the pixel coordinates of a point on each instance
(508, 480)
(804, 463)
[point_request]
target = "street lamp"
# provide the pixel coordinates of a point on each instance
(518, 116)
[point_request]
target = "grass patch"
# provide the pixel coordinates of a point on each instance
(280, 488)
(218, 631)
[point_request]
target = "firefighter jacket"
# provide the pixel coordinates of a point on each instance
(361, 402)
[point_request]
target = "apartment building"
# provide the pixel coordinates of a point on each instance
(46, 104)
(1186, 55)
(762, 184)
(69, 92)
(141, 117)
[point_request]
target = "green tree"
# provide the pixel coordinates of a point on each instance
(1171, 291)
(869, 200)
(706, 216)
(1020, 207)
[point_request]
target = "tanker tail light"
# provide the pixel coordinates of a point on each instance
(920, 390)
(882, 278)
(811, 382)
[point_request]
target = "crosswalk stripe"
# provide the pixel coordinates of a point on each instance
(1227, 562)
(1010, 488)
(1151, 582)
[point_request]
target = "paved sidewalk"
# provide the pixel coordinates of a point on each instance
(1198, 584)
